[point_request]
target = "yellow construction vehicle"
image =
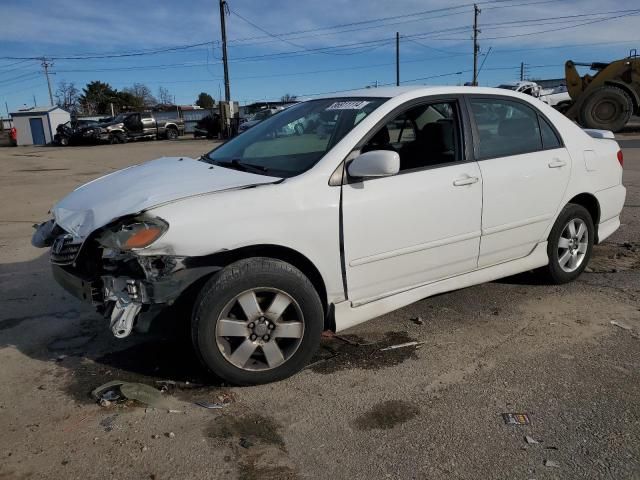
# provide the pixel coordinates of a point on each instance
(607, 99)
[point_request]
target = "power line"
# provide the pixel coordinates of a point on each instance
(394, 17)
(114, 55)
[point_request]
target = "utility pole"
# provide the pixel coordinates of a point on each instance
(397, 59)
(476, 47)
(521, 71)
(223, 29)
(46, 66)
(34, 100)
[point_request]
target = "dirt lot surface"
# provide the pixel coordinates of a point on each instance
(357, 412)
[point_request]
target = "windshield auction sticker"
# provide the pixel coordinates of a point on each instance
(356, 105)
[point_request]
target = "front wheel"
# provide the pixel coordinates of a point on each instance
(570, 244)
(257, 321)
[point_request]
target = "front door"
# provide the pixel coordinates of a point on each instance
(525, 172)
(37, 131)
(422, 224)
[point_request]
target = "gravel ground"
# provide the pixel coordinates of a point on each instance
(514, 345)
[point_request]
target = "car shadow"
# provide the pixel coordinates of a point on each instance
(531, 278)
(43, 322)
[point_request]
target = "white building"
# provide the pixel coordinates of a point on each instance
(37, 125)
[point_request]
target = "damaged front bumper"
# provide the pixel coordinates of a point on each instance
(127, 288)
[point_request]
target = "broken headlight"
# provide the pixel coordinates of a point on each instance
(136, 233)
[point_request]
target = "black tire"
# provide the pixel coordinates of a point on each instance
(563, 107)
(172, 133)
(222, 289)
(116, 138)
(554, 272)
(63, 141)
(606, 108)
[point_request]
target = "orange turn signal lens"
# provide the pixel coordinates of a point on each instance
(143, 237)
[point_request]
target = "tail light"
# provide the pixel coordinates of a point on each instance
(620, 158)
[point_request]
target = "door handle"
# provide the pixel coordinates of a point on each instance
(557, 163)
(466, 180)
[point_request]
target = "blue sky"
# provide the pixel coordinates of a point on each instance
(435, 45)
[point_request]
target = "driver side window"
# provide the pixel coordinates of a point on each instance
(424, 136)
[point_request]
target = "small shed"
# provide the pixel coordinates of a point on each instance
(37, 125)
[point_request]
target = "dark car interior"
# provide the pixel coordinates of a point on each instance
(424, 136)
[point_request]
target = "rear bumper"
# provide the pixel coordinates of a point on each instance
(611, 201)
(605, 229)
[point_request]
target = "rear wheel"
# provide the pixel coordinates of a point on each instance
(258, 320)
(606, 108)
(172, 133)
(570, 244)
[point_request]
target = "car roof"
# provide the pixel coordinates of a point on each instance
(418, 91)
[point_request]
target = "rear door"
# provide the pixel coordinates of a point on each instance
(525, 171)
(148, 124)
(422, 224)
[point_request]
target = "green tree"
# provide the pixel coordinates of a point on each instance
(205, 100)
(126, 101)
(96, 97)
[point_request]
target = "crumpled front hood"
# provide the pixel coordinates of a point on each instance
(140, 187)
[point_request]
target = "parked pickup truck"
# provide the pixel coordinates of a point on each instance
(132, 126)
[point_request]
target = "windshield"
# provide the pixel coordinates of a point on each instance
(121, 117)
(262, 115)
(294, 140)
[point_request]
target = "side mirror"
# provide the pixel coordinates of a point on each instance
(376, 163)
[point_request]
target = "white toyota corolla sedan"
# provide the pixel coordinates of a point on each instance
(386, 197)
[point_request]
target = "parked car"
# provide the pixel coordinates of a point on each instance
(208, 127)
(13, 136)
(558, 97)
(414, 192)
(70, 132)
(257, 118)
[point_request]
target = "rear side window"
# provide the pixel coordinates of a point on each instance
(506, 127)
(549, 137)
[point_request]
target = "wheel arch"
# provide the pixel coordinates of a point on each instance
(590, 202)
(278, 252)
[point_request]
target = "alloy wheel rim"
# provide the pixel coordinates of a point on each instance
(573, 245)
(260, 329)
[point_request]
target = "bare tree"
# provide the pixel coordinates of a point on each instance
(142, 93)
(68, 96)
(287, 97)
(164, 97)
